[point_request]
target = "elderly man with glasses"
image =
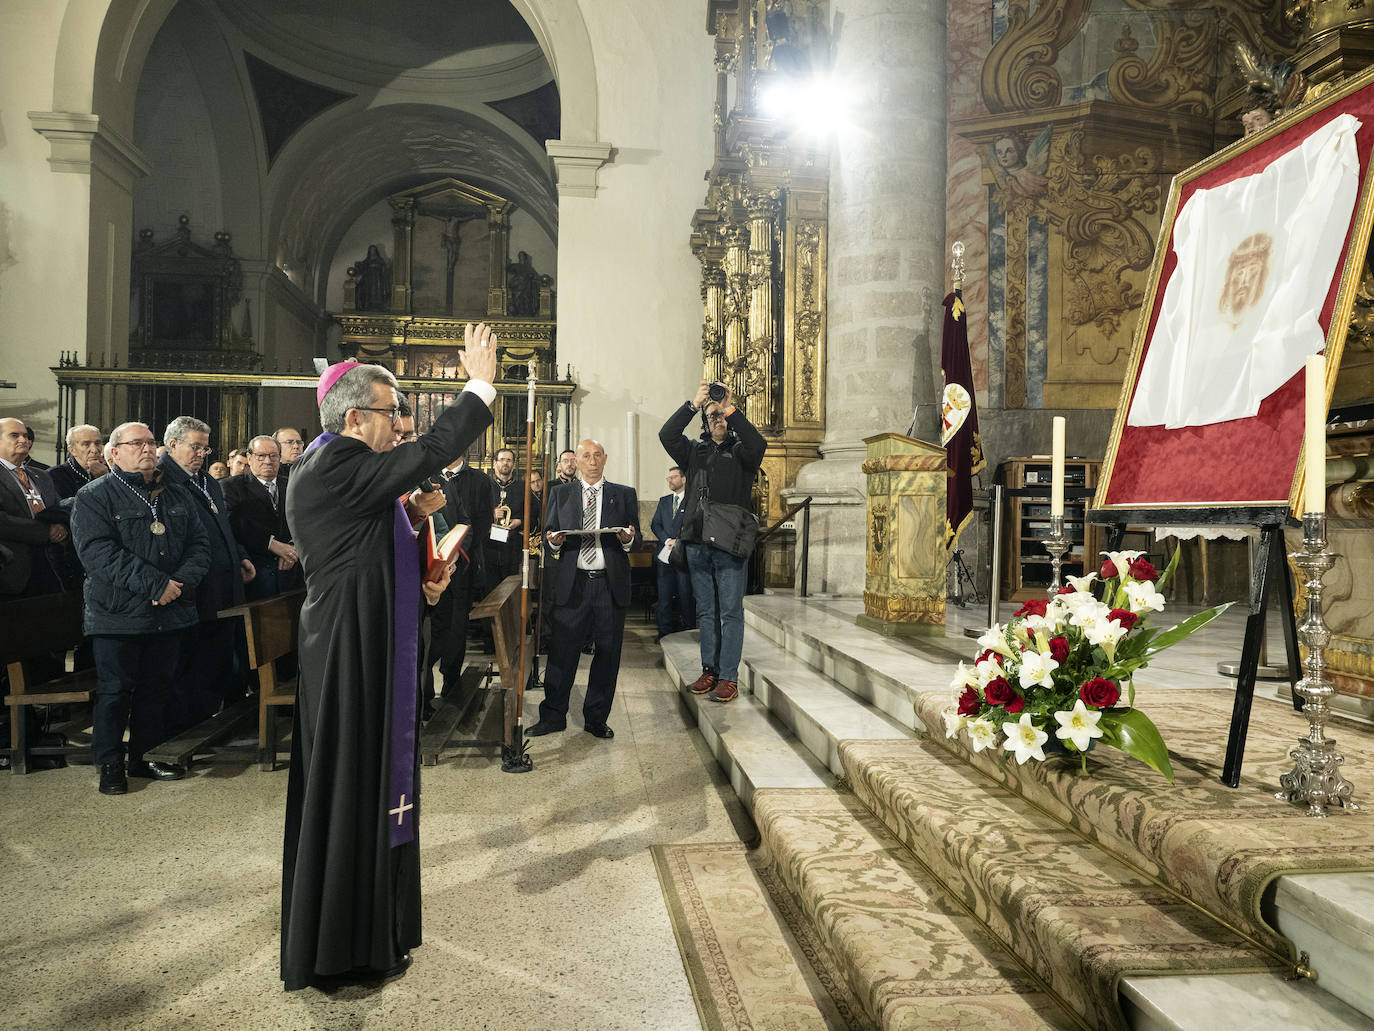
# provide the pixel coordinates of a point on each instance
(145, 553)
(257, 516)
(351, 855)
(292, 445)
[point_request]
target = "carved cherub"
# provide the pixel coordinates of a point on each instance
(1019, 169)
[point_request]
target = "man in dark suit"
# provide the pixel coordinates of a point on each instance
(211, 678)
(588, 585)
(676, 610)
(257, 516)
(471, 500)
(32, 523)
(84, 461)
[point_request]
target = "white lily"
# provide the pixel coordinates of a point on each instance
(1025, 740)
(1078, 725)
(982, 734)
(1143, 596)
(955, 721)
(994, 638)
(1036, 668)
(988, 670)
(1039, 625)
(1105, 633)
(963, 678)
(1088, 614)
(1081, 584)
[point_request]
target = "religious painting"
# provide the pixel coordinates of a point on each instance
(450, 265)
(1258, 265)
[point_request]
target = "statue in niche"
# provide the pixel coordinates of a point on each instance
(372, 291)
(522, 287)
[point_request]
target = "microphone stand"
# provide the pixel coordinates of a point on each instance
(514, 757)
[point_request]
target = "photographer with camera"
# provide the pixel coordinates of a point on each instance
(718, 526)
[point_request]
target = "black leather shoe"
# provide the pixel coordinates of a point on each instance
(156, 770)
(544, 727)
(600, 730)
(112, 780)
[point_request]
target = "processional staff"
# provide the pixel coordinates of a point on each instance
(516, 759)
(537, 547)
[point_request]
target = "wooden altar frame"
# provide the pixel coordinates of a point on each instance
(1208, 475)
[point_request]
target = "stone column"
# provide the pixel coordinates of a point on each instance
(403, 225)
(885, 269)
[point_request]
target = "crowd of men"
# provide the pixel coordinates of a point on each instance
(160, 540)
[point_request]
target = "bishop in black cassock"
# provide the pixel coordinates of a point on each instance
(351, 859)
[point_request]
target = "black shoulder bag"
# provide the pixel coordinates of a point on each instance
(731, 528)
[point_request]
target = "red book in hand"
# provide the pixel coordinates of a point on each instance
(441, 552)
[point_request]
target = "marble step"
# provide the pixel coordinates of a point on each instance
(810, 705)
(1330, 916)
(911, 955)
(750, 745)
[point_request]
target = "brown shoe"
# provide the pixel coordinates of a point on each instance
(726, 691)
(703, 683)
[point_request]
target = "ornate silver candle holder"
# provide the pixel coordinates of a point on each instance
(1056, 544)
(1315, 779)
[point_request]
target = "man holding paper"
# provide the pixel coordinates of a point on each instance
(591, 526)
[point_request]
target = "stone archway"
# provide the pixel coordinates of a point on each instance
(100, 53)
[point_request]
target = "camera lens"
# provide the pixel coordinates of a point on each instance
(716, 392)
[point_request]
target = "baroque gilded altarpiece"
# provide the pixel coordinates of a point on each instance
(761, 241)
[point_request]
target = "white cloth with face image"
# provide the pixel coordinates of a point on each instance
(1256, 258)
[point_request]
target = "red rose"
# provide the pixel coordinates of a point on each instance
(984, 656)
(1067, 589)
(1125, 617)
(1100, 693)
(998, 691)
(1034, 607)
(1141, 569)
(1108, 570)
(1016, 705)
(969, 701)
(1059, 649)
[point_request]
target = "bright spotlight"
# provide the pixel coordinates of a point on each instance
(818, 107)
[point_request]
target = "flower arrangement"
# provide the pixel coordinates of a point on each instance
(1061, 672)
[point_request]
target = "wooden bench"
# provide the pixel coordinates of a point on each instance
(31, 631)
(271, 626)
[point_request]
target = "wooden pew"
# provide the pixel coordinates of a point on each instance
(32, 629)
(271, 626)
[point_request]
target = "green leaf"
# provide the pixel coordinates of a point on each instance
(1165, 576)
(1133, 733)
(1187, 628)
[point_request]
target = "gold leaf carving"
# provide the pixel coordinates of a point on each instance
(1019, 72)
(1179, 76)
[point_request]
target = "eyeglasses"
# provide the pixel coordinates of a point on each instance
(275, 456)
(149, 443)
(200, 449)
(392, 413)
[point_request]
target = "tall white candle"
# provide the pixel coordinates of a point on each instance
(1314, 440)
(1057, 477)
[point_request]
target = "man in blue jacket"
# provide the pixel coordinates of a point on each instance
(145, 552)
(720, 466)
(676, 611)
(212, 679)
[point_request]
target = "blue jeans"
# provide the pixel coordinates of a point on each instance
(718, 582)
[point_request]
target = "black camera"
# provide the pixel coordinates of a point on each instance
(716, 392)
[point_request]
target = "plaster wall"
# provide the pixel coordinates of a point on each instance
(44, 226)
(629, 315)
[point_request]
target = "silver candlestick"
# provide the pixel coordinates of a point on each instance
(1316, 778)
(1056, 544)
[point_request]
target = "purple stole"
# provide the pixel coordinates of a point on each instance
(405, 615)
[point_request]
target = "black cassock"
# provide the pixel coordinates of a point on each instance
(350, 899)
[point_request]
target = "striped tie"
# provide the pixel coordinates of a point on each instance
(588, 555)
